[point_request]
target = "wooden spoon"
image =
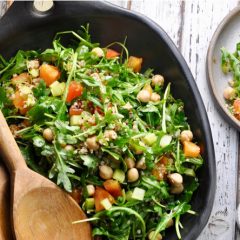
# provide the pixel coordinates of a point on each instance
(40, 209)
(5, 230)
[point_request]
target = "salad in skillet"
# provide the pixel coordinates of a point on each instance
(114, 138)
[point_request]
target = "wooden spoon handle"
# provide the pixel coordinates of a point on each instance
(9, 150)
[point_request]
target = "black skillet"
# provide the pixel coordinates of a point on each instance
(23, 27)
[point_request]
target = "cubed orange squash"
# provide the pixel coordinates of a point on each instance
(99, 195)
(191, 149)
(135, 63)
(159, 171)
(113, 187)
(19, 102)
(49, 73)
(110, 54)
(75, 90)
(236, 106)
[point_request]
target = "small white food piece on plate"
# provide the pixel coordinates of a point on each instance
(229, 93)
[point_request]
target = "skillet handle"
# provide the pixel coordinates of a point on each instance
(43, 5)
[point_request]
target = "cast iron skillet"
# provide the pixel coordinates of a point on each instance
(24, 28)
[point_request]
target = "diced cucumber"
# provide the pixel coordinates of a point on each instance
(165, 140)
(189, 172)
(89, 203)
(150, 139)
(106, 203)
(75, 120)
(138, 194)
(34, 72)
(129, 195)
(57, 88)
(119, 175)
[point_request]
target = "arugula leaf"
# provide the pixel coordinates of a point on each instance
(89, 161)
(41, 90)
(38, 141)
(108, 84)
(3, 97)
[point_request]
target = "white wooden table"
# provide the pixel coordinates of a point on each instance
(191, 24)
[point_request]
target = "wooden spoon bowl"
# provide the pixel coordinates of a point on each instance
(5, 230)
(41, 210)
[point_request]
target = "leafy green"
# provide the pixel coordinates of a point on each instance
(111, 126)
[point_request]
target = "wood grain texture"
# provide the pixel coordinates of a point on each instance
(191, 24)
(40, 209)
(3, 7)
(5, 230)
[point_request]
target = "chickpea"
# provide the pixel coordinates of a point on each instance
(92, 144)
(148, 88)
(110, 134)
(141, 164)
(157, 80)
(128, 106)
(130, 162)
(231, 82)
(98, 52)
(144, 96)
(90, 190)
(48, 134)
(229, 93)
(155, 97)
(139, 151)
(169, 223)
(63, 144)
(105, 172)
(151, 234)
(69, 148)
(177, 189)
(132, 175)
(175, 179)
(186, 135)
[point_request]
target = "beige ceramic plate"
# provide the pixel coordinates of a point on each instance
(226, 35)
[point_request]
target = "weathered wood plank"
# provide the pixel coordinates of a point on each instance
(191, 24)
(197, 33)
(3, 7)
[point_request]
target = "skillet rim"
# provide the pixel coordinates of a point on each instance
(113, 9)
